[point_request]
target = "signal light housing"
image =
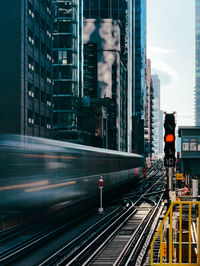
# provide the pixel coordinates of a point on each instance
(169, 125)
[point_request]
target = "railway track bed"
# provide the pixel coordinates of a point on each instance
(102, 237)
(118, 241)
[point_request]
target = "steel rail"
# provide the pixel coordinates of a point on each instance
(43, 235)
(110, 235)
(144, 230)
(85, 234)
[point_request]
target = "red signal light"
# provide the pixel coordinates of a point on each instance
(144, 172)
(169, 138)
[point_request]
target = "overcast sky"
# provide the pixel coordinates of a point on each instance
(171, 48)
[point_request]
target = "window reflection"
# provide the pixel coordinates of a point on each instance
(185, 146)
(193, 145)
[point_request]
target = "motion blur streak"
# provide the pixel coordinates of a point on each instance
(40, 183)
(48, 156)
(50, 186)
(72, 171)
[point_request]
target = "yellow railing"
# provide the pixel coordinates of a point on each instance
(171, 244)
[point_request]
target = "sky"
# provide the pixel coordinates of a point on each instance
(171, 48)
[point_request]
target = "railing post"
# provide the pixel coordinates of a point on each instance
(189, 236)
(170, 237)
(180, 233)
(198, 236)
(161, 246)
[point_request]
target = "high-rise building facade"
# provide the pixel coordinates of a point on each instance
(161, 132)
(156, 115)
(26, 67)
(139, 94)
(132, 53)
(67, 68)
(102, 73)
(197, 86)
(108, 39)
(148, 125)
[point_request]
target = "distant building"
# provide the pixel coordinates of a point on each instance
(161, 134)
(67, 68)
(190, 150)
(157, 118)
(26, 67)
(148, 125)
(197, 86)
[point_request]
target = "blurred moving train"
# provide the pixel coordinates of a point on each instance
(39, 173)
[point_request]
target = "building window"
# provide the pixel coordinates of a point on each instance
(63, 118)
(48, 54)
(37, 118)
(48, 123)
(37, 93)
(30, 117)
(48, 126)
(31, 93)
(42, 121)
(30, 37)
(185, 145)
(193, 145)
(43, 96)
(37, 42)
(30, 90)
(48, 10)
(30, 63)
(48, 80)
(48, 77)
(43, 72)
(48, 33)
(43, 48)
(48, 100)
(30, 10)
(37, 17)
(43, 24)
(37, 67)
(62, 57)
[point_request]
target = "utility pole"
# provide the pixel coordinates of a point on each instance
(169, 159)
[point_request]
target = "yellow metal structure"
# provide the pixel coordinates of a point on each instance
(175, 255)
(179, 177)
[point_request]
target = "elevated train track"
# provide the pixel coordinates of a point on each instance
(73, 181)
(117, 242)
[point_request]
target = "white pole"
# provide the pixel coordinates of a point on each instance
(101, 192)
(101, 208)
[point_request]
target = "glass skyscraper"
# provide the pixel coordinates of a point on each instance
(139, 93)
(113, 18)
(26, 67)
(67, 67)
(197, 89)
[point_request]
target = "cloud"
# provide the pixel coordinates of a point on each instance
(158, 50)
(166, 73)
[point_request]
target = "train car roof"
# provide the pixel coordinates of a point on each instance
(28, 141)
